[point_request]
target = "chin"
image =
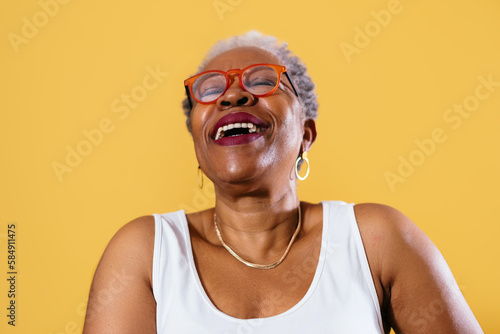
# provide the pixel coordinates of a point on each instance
(238, 173)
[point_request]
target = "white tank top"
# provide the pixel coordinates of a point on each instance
(341, 299)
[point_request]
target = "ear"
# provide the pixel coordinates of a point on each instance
(309, 134)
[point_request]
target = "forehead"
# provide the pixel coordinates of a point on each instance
(241, 57)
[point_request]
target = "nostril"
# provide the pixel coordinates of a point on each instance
(243, 100)
(226, 103)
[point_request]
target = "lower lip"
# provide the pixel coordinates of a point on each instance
(238, 140)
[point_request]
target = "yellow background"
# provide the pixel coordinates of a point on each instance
(373, 106)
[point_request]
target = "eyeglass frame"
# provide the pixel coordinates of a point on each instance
(188, 83)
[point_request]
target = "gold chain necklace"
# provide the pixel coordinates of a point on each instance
(255, 265)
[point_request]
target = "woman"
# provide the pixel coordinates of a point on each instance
(261, 261)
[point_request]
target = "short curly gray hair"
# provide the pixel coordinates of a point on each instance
(294, 66)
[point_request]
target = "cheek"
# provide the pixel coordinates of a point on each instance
(289, 137)
(292, 121)
(199, 118)
(197, 122)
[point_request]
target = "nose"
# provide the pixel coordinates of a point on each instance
(234, 96)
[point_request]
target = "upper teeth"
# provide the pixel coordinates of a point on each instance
(252, 128)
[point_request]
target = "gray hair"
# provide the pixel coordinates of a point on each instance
(294, 67)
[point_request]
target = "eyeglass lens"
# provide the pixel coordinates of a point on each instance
(257, 80)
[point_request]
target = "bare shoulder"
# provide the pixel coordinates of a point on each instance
(385, 229)
(133, 245)
(135, 237)
(121, 298)
(380, 215)
(420, 290)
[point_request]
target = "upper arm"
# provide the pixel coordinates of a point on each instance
(121, 298)
(422, 294)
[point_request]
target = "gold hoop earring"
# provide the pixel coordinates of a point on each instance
(200, 172)
(304, 157)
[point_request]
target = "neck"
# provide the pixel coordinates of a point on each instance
(258, 226)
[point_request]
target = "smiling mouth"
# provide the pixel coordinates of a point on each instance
(237, 129)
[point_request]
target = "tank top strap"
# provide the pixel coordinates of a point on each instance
(347, 265)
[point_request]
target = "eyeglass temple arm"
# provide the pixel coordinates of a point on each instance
(189, 96)
(291, 82)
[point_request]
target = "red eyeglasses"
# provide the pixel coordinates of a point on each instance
(258, 79)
